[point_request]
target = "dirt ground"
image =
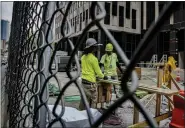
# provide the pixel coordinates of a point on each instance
(125, 113)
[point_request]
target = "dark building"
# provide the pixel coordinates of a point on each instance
(170, 40)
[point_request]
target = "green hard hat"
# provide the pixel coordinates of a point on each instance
(109, 47)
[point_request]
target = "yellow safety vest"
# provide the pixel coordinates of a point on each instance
(90, 68)
(110, 67)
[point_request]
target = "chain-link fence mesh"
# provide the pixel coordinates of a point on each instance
(31, 55)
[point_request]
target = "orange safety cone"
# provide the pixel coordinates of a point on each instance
(178, 76)
(177, 120)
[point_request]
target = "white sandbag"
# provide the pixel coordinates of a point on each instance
(73, 117)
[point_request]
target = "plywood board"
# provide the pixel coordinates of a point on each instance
(151, 89)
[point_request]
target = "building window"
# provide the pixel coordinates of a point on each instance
(121, 16)
(80, 21)
(133, 19)
(160, 7)
(67, 27)
(114, 8)
(150, 13)
(83, 15)
(77, 20)
(107, 17)
(73, 21)
(80, 17)
(87, 14)
(128, 9)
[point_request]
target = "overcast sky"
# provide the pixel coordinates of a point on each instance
(6, 10)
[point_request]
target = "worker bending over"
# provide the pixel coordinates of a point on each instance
(90, 70)
(110, 63)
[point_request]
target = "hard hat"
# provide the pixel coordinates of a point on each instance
(91, 42)
(109, 47)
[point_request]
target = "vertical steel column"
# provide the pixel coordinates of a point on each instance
(46, 57)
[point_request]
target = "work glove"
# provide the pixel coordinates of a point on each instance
(113, 77)
(105, 78)
(98, 78)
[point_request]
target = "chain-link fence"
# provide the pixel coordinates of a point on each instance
(31, 55)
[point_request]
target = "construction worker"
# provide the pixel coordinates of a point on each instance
(110, 63)
(90, 71)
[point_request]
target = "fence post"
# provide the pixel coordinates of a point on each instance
(46, 57)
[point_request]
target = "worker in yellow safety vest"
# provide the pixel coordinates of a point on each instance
(110, 63)
(90, 71)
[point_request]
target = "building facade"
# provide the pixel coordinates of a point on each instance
(128, 21)
(122, 20)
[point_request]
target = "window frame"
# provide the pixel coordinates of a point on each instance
(121, 16)
(107, 17)
(114, 8)
(128, 5)
(87, 12)
(134, 24)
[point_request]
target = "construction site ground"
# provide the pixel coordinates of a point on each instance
(125, 112)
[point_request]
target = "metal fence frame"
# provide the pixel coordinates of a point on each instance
(27, 83)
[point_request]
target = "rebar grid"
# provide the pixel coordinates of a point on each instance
(27, 82)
